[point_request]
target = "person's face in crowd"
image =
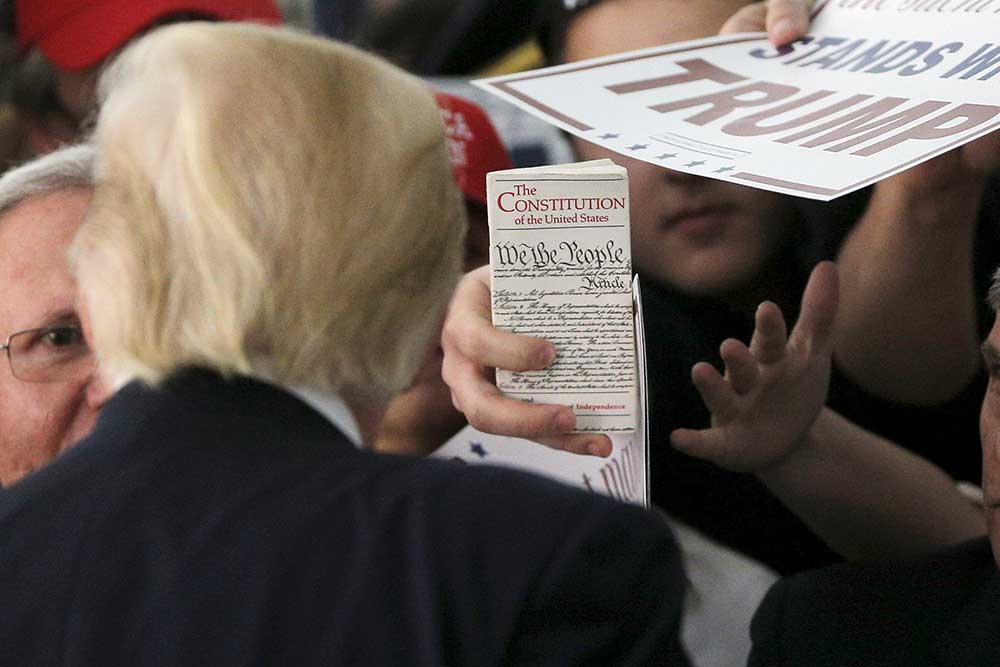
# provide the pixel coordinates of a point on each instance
(989, 427)
(77, 91)
(421, 418)
(701, 236)
(38, 420)
(74, 99)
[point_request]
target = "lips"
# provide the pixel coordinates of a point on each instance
(699, 222)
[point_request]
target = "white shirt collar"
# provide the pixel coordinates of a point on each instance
(331, 406)
(328, 404)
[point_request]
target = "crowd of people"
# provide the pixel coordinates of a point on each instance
(236, 322)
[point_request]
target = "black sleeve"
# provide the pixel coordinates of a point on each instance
(946, 434)
(766, 627)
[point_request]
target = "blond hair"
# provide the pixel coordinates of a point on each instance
(267, 203)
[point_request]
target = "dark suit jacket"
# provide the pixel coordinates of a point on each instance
(227, 523)
(941, 610)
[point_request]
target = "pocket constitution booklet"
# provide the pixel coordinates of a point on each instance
(561, 269)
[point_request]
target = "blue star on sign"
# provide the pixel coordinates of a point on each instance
(666, 156)
(696, 163)
(721, 170)
(638, 147)
(609, 135)
(477, 449)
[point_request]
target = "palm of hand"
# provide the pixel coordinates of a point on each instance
(773, 390)
(765, 425)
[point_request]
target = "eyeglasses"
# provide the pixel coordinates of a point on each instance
(50, 354)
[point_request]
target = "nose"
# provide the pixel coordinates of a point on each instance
(680, 178)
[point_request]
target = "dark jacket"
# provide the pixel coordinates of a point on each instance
(940, 610)
(218, 522)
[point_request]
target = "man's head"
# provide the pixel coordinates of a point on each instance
(48, 396)
(420, 419)
(313, 236)
(67, 41)
(989, 424)
(701, 236)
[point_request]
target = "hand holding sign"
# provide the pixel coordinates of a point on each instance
(782, 20)
(960, 168)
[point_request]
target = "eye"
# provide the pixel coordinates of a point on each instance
(62, 337)
(991, 360)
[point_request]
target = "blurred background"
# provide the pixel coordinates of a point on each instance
(446, 41)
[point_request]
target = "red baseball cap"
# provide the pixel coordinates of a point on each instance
(473, 145)
(75, 34)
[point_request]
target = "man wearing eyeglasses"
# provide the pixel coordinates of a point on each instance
(49, 396)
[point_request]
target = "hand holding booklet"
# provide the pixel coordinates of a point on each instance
(561, 270)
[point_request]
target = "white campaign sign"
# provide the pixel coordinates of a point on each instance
(878, 86)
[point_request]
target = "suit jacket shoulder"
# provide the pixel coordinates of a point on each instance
(225, 522)
(919, 612)
(606, 580)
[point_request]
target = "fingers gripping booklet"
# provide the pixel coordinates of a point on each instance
(561, 269)
(624, 475)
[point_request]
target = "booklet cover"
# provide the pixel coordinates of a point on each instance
(624, 475)
(561, 268)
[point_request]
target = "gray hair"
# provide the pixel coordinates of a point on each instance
(71, 167)
(993, 296)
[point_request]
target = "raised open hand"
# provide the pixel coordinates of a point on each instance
(772, 391)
